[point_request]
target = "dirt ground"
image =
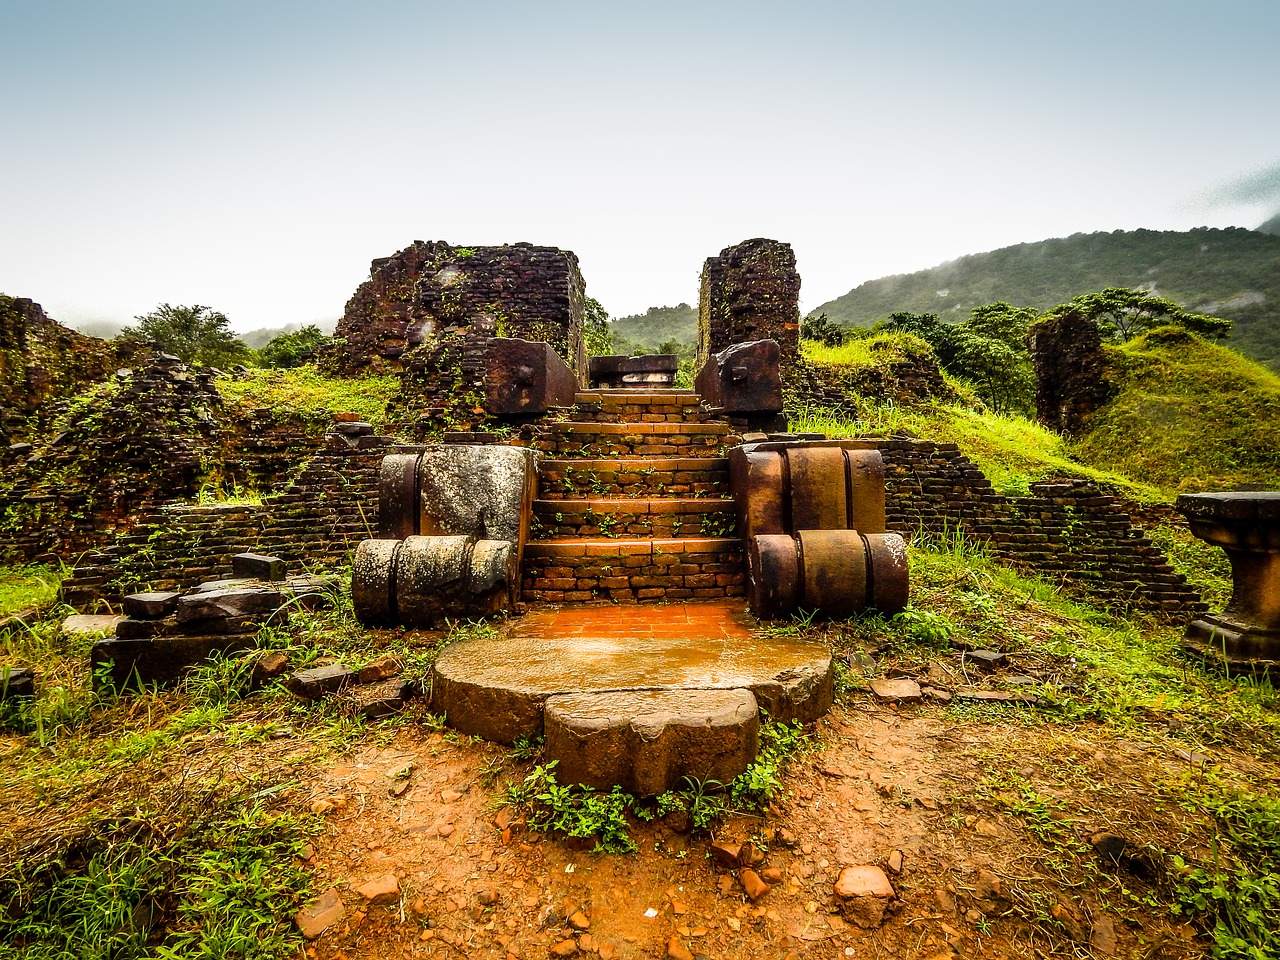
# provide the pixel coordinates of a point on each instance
(904, 788)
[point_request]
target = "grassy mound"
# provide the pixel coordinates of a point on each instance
(1189, 415)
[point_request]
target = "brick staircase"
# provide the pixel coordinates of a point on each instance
(634, 502)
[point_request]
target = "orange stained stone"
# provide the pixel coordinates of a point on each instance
(706, 620)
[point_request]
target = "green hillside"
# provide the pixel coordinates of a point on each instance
(646, 332)
(1188, 415)
(1232, 273)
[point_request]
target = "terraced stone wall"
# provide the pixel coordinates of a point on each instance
(1067, 530)
(750, 292)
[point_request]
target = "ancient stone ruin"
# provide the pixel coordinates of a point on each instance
(515, 476)
(1245, 637)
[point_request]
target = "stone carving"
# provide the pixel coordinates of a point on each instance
(453, 521)
(525, 377)
(1245, 637)
(743, 379)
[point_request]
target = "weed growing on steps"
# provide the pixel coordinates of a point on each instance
(580, 812)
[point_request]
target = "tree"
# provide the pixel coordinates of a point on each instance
(595, 329)
(195, 334)
(293, 349)
(988, 350)
(822, 330)
(1123, 314)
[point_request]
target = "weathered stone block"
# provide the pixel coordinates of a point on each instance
(229, 603)
(17, 682)
(316, 682)
(151, 606)
(130, 664)
(744, 378)
(647, 741)
(525, 377)
(257, 566)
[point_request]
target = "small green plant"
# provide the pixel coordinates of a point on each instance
(575, 811)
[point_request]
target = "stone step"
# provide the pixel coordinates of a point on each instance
(571, 438)
(666, 518)
(628, 571)
(637, 698)
(640, 406)
(632, 477)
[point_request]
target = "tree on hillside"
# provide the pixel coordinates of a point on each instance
(196, 334)
(988, 350)
(1123, 314)
(293, 349)
(822, 330)
(595, 329)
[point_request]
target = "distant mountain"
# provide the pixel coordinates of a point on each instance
(1233, 273)
(646, 332)
(1271, 226)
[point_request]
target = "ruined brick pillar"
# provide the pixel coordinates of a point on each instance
(429, 292)
(750, 292)
(1071, 370)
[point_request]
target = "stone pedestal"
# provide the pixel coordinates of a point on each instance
(1245, 637)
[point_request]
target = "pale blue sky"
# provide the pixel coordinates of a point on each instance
(255, 157)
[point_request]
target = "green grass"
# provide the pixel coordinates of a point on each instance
(1100, 677)
(310, 395)
(1190, 416)
(882, 349)
(1011, 451)
(29, 585)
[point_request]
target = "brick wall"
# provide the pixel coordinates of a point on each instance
(1067, 530)
(749, 292)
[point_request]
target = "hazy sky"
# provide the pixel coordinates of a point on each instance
(255, 156)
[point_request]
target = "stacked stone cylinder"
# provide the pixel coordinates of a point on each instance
(453, 520)
(812, 517)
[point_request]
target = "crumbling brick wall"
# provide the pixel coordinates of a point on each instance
(1071, 371)
(1067, 531)
(315, 523)
(120, 450)
(750, 292)
(431, 293)
(42, 361)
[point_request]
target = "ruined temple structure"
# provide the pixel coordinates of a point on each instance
(1070, 369)
(751, 291)
(42, 362)
(433, 290)
(507, 481)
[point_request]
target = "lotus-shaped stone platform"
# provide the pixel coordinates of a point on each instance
(637, 696)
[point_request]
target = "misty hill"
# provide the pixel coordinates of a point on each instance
(1232, 273)
(646, 332)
